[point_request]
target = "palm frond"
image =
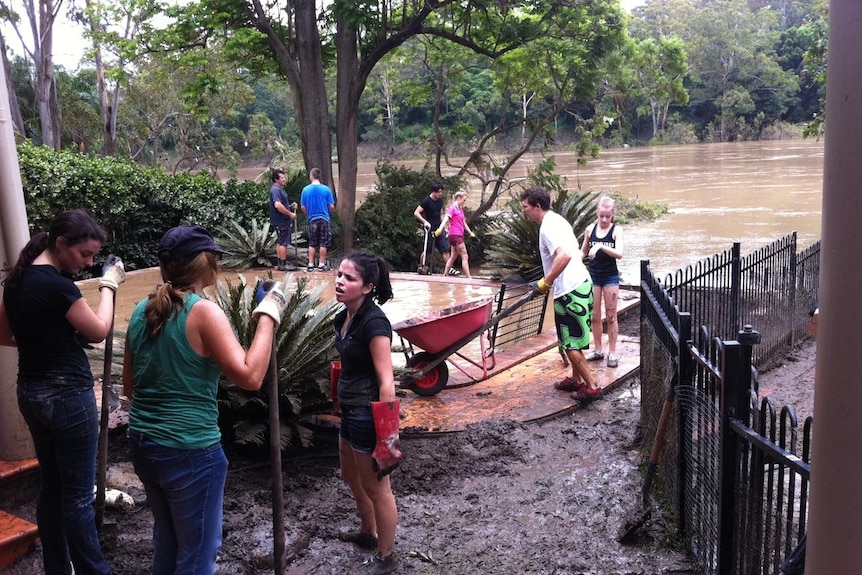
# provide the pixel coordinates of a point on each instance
(247, 248)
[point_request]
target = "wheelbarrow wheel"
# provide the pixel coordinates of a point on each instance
(434, 381)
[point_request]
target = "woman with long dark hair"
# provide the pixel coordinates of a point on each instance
(45, 316)
(368, 444)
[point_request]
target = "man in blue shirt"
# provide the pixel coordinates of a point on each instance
(317, 202)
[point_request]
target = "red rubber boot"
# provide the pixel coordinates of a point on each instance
(387, 454)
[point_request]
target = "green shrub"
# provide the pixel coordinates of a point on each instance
(247, 248)
(304, 351)
(135, 204)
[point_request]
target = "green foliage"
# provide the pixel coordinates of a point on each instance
(304, 350)
(135, 204)
(628, 210)
(248, 248)
(385, 224)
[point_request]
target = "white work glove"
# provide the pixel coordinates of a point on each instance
(273, 303)
(593, 251)
(427, 225)
(113, 273)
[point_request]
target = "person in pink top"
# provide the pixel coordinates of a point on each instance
(458, 229)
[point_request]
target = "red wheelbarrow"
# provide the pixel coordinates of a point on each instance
(441, 334)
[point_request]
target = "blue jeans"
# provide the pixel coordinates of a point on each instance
(64, 423)
(185, 491)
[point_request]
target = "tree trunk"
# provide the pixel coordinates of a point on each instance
(105, 100)
(42, 27)
(309, 90)
(349, 86)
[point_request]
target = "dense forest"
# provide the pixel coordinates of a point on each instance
(211, 84)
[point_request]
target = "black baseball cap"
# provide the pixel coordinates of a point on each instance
(185, 242)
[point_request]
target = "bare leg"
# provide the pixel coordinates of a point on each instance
(311, 252)
(597, 318)
(450, 261)
(351, 475)
(465, 266)
(611, 295)
(580, 369)
(385, 511)
(323, 250)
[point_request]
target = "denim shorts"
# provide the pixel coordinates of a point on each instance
(357, 428)
(605, 279)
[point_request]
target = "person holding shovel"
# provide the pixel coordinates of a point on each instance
(44, 315)
(569, 279)
(178, 345)
(428, 213)
(368, 438)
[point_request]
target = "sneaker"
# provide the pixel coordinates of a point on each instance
(569, 384)
(380, 565)
(323, 268)
(311, 268)
(594, 356)
(454, 272)
(612, 360)
(587, 394)
(360, 539)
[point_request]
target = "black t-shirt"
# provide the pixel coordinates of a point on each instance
(357, 384)
(431, 209)
(37, 308)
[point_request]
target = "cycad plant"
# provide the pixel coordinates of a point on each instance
(304, 350)
(247, 248)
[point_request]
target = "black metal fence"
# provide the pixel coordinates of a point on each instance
(774, 288)
(734, 474)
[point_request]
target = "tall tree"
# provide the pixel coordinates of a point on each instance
(40, 49)
(660, 67)
(114, 28)
(302, 40)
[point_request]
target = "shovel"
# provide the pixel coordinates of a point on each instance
(424, 270)
(637, 518)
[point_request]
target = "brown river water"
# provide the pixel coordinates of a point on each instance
(718, 194)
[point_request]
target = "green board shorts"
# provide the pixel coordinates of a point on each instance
(573, 314)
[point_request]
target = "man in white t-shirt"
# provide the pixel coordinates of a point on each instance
(572, 287)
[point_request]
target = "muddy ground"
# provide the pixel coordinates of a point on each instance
(499, 498)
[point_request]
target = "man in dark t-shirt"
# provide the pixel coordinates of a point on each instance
(281, 217)
(428, 213)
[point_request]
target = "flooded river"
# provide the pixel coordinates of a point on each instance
(718, 194)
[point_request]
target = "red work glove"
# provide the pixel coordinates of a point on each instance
(334, 374)
(386, 455)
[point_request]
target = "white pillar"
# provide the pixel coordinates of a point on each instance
(835, 522)
(15, 442)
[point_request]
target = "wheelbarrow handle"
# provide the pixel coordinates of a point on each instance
(503, 313)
